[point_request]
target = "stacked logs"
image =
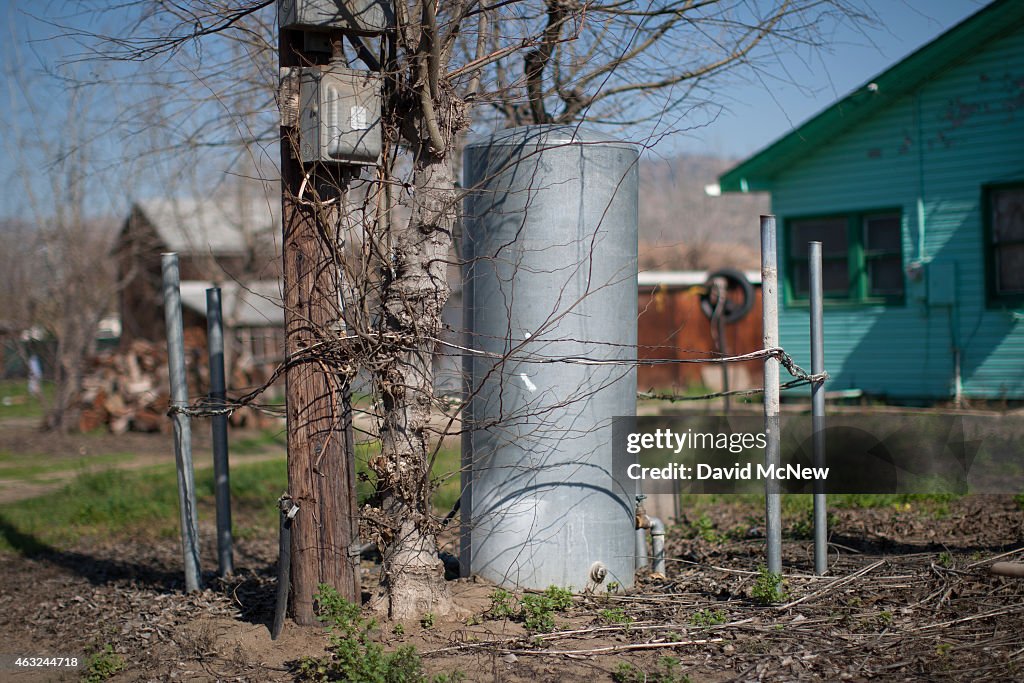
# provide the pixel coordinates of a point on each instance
(126, 390)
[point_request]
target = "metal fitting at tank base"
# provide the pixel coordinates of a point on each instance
(644, 521)
(598, 573)
(640, 518)
(657, 546)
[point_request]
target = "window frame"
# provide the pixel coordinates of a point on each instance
(857, 259)
(993, 298)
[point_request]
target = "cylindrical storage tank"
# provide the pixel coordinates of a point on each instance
(550, 310)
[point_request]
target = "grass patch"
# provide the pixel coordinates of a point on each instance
(15, 466)
(797, 505)
(15, 401)
(268, 439)
(144, 502)
(140, 502)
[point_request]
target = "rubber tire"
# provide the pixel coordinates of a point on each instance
(733, 312)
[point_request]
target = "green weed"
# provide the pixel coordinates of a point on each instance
(102, 665)
(354, 656)
(538, 612)
(456, 676)
(669, 670)
(705, 529)
(769, 587)
(503, 604)
(614, 616)
(708, 617)
(561, 598)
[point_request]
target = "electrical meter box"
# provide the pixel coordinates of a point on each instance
(364, 17)
(339, 116)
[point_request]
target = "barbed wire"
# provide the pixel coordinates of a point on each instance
(209, 407)
(676, 398)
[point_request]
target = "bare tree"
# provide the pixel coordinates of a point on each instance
(637, 66)
(64, 280)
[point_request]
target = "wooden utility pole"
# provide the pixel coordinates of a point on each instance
(321, 464)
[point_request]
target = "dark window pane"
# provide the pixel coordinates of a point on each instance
(885, 276)
(831, 232)
(835, 277)
(1010, 267)
(882, 233)
(798, 278)
(1008, 214)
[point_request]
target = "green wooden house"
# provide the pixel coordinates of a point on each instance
(914, 184)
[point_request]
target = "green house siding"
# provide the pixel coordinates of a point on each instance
(932, 151)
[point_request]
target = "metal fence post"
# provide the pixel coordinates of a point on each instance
(218, 396)
(770, 319)
(818, 406)
(182, 425)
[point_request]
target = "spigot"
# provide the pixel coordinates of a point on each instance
(641, 519)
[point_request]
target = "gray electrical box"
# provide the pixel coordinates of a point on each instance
(339, 115)
(365, 17)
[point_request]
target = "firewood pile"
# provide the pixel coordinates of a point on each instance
(128, 389)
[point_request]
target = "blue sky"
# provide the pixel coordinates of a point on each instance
(754, 110)
(759, 111)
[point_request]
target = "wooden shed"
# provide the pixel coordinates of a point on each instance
(673, 326)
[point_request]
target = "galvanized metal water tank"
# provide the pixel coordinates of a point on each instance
(549, 275)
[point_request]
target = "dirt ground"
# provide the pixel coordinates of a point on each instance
(909, 597)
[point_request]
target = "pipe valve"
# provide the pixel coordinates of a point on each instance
(641, 520)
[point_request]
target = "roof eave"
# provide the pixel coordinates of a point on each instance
(996, 20)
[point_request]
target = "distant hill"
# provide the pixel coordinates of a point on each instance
(682, 228)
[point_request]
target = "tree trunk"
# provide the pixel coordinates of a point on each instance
(412, 577)
(75, 346)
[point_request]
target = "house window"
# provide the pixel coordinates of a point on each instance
(1006, 243)
(861, 256)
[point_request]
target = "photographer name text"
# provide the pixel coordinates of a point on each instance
(737, 472)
